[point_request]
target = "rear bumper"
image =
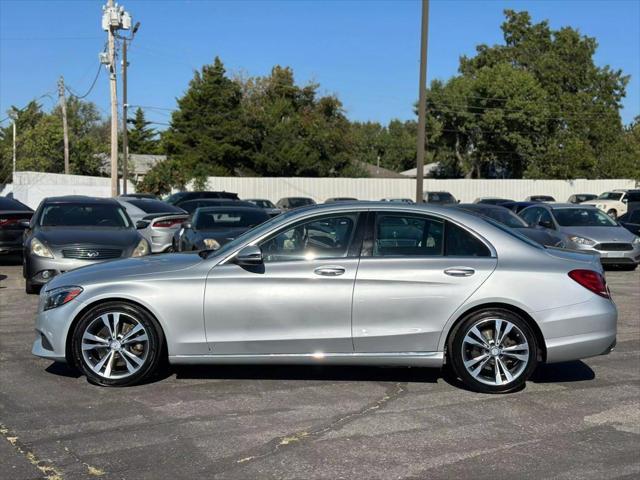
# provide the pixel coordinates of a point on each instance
(579, 331)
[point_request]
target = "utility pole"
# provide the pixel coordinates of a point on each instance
(114, 18)
(65, 129)
(14, 147)
(125, 106)
(422, 100)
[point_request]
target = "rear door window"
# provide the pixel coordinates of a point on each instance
(407, 235)
(461, 243)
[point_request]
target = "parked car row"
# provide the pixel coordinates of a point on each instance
(68, 232)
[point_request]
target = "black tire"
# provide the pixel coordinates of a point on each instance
(31, 288)
(613, 213)
(155, 350)
(455, 353)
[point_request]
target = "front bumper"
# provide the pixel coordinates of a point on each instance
(52, 327)
(615, 257)
(36, 267)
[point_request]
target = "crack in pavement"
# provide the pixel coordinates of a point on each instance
(46, 467)
(50, 471)
(275, 445)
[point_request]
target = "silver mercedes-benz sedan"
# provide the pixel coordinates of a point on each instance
(359, 283)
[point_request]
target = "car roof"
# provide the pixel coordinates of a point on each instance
(81, 199)
(479, 206)
(559, 205)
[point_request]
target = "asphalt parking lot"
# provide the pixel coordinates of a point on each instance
(576, 420)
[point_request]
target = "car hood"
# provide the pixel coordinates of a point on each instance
(116, 237)
(601, 234)
(127, 268)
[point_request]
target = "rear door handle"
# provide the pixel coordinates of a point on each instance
(460, 272)
(329, 270)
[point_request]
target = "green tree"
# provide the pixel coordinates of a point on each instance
(207, 135)
(142, 138)
(535, 107)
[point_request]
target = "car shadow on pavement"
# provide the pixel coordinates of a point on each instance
(576, 371)
(306, 372)
(63, 370)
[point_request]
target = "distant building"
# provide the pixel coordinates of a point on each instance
(373, 171)
(141, 164)
(429, 170)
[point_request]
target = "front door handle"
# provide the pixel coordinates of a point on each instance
(460, 272)
(329, 270)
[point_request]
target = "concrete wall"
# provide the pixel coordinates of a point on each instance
(377, 188)
(31, 187)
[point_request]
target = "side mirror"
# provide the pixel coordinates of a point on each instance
(24, 224)
(249, 255)
(140, 224)
(625, 200)
(546, 224)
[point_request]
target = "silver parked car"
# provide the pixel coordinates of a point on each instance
(370, 283)
(585, 227)
(155, 220)
(70, 232)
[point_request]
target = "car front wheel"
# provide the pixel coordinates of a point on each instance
(117, 344)
(493, 351)
(612, 213)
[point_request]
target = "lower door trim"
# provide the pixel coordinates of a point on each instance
(408, 359)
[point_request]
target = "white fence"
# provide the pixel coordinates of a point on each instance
(31, 187)
(377, 188)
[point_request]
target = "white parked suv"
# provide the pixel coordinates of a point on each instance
(614, 203)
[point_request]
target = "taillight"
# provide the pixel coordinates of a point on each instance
(11, 221)
(591, 280)
(168, 223)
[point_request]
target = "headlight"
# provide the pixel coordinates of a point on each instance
(39, 249)
(59, 296)
(636, 241)
(582, 241)
(142, 249)
(211, 243)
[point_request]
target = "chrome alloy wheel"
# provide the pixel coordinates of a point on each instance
(495, 351)
(115, 345)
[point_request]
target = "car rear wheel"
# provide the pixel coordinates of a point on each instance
(117, 344)
(493, 351)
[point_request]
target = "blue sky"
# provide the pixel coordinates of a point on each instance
(366, 52)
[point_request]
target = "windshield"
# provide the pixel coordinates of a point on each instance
(257, 231)
(502, 215)
(216, 219)
(262, 203)
(610, 196)
(84, 215)
(443, 197)
(154, 206)
(583, 217)
(300, 202)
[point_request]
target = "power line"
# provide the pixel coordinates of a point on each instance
(93, 84)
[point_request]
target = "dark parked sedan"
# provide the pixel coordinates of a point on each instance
(289, 203)
(510, 219)
(631, 221)
(516, 207)
(70, 232)
(192, 205)
(14, 218)
(212, 227)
